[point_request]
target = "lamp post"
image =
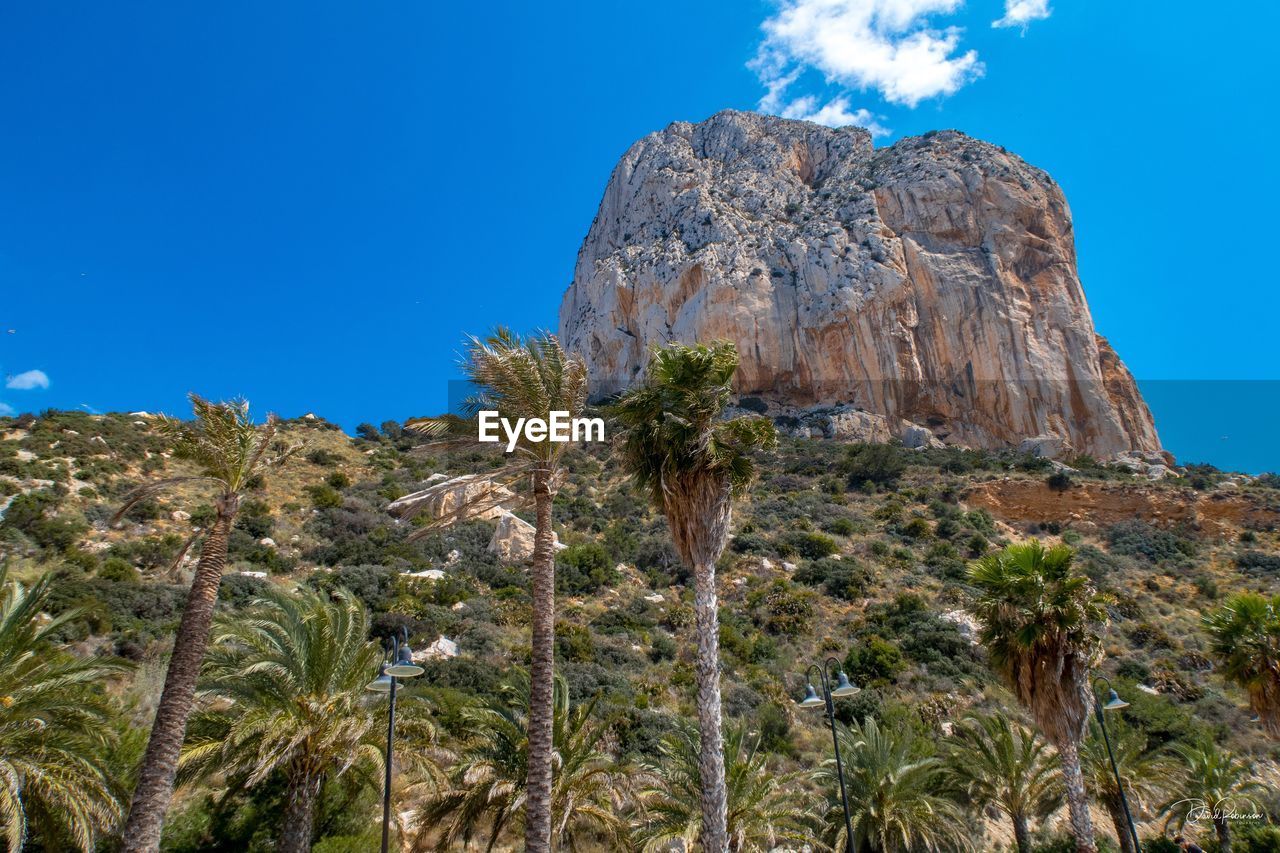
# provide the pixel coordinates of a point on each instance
(397, 664)
(1113, 703)
(812, 700)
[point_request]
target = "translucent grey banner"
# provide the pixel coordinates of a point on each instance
(1227, 423)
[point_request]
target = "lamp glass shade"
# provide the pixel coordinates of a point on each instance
(381, 684)
(404, 667)
(844, 687)
(811, 698)
(1114, 702)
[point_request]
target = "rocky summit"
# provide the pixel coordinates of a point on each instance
(926, 290)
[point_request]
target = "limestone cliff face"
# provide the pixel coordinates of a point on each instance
(932, 281)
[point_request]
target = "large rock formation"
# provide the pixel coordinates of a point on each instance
(932, 281)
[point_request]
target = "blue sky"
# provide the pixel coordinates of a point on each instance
(308, 204)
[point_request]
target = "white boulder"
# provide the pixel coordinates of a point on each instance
(460, 499)
(513, 539)
(426, 574)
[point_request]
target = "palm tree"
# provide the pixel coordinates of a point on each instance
(283, 691)
(893, 795)
(1147, 775)
(487, 788)
(1246, 640)
(765, 808)
(55, 734)
(1215, 784)
(229, 450)
(1038, 619)
(528, 378)
(998, 762)
(692, 463)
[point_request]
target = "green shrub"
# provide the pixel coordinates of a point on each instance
(806, 544)
(1201, 477)
(376, 586)
(1133, 670)
(324, 496)
(1139, 539)
(1258, 563)
(584, 568)
(981, 521)
(574, 643)
(145, 510)
(254, 518)
(780, 608)
(874, 662)
(841, 527)
(749, 543)
(845, 579)
(916, 528)
(320, 456)
(1144, 635)
(775, 729)
(203, 516)
(118, 569)
(1059, 481)
(946, 561)
(878, 464)
(152, 552)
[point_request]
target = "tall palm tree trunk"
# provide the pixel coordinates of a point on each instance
(1122, 828)
(1224, 835)
(299, 811)
(1077, 798)
(715, 831)
(537, 832)
(160, 763)
(1021, 833)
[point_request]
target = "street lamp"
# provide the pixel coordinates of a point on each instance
(1113, 703)
(812, 700)
(397, 663)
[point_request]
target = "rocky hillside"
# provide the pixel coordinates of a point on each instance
(845, 549)
(932, 282)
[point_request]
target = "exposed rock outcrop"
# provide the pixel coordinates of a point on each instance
(458, 499)
(932, 282)
(513, 538)
(1021, 501)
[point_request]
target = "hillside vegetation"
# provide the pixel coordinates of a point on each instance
(857, 552)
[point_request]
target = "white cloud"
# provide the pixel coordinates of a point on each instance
(834, 113)
(1019, 13)
(6, 410)
(27, 381)
(886, 45)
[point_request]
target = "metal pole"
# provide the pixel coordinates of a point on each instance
(1102, 723)
(391, 733)
(835, 742)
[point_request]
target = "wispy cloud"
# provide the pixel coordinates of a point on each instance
(1019, 13)
(6, 410)
(834, 113)
(892, 47)
(27, 381)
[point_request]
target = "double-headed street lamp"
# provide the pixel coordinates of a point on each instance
(398, 663)
(1113, 703)
(812, 700)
